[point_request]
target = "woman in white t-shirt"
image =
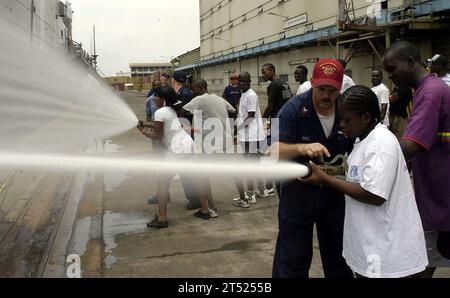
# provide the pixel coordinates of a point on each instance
(383, 234)
(167, 128)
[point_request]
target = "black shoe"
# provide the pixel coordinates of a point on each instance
(193, 206)
(202, 215)
(154, 200)
(155, 223)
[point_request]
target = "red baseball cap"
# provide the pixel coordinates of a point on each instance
(328, 72)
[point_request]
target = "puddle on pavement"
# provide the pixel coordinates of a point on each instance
(115, 224)
(81, 236)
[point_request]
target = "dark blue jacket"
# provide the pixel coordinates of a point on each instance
(232, 95)
(184, 95)
(299, 123)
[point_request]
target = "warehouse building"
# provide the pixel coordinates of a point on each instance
(244, 35)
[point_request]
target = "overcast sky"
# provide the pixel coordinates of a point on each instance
(136, 31)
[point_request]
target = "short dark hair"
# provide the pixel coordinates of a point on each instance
(245, 74)
(201, 83)
(360, 99)
(168, 94)
(404, 50)
(269, 66)
(303, 68)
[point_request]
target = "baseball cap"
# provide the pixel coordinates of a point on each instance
(179, 76)
(438, 59)
(328, 72)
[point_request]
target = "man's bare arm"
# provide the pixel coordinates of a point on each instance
(383, 111)
(292, 151)
(269, 109)
(410, 149)
(250, 118)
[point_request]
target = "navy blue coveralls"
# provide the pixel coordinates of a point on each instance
(302, 206)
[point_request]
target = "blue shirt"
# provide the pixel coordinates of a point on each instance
(184, 95)
(151, 107)
(150, 93)
(232, 95)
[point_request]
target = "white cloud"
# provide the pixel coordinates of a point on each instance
(133, 31)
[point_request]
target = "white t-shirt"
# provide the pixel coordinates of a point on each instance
(347, 82)
(382, 93)
(327, 123)
(255, 130)
(175, 137)
(390, 235)
(212, 111)
(446, 79)
(305, 87)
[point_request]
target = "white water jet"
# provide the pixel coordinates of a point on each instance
(132, 164)
(49, 102)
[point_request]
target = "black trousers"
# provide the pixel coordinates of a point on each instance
(294, 249)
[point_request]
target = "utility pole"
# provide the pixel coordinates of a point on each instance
(94, 57)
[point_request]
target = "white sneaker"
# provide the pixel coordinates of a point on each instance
(252, 199)
(213, 213)
(247, 194)
(267, 193)
(240, 203)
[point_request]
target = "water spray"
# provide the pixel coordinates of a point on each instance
(131, 164)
